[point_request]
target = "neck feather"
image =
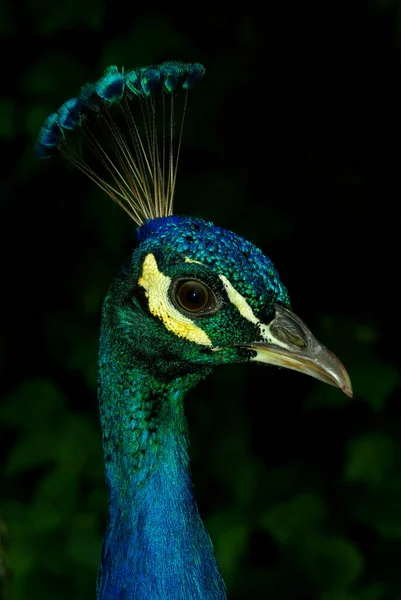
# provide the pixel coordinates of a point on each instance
(155, 546)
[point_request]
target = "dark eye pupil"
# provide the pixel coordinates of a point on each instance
(192, 295)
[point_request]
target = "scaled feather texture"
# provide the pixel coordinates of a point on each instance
(190, 297)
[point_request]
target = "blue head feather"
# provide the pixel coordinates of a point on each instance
(133, 81)
(50, 137)
(194, 74)
(150, 80)
(90, 99)
(111, 86)
(172, 74)
(245, 266)
(69, 114)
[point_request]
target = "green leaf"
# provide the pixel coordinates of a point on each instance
(374, 380)
(84, 542)
(79, 443)
(326, 396)
(374, 591)
(230, 535)
(58, 490)
(32, 404)
(379, 508)
(331, 563)
(292, 520)
(36, 449)
(370, 459)
(46, 518)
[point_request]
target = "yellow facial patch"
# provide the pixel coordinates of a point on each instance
(156, 286)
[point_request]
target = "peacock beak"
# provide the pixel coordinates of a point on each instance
(289, 343)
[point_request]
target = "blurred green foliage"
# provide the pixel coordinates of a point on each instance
(292, 141)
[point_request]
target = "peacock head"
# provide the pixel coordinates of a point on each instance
(194, 296)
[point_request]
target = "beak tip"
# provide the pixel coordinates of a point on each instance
(347, 390)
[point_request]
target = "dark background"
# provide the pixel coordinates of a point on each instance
(292, 140)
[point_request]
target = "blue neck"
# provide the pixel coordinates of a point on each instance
(155, 546)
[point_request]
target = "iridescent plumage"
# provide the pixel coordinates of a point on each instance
(139, 158)
(192, 296)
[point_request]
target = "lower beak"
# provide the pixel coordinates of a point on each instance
(289, 343)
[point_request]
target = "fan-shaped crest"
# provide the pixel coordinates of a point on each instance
(127, 118)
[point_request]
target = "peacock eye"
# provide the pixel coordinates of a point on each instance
(193, 296)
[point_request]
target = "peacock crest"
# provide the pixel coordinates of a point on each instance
(128, 120)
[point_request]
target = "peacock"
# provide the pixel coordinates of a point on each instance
(190, 297)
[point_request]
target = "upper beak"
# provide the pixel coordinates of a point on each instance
(289, 343)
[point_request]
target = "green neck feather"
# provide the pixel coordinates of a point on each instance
(155, 545)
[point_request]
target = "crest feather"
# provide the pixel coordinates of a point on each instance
(128, 120)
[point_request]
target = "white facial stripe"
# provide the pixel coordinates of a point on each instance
(156, 286)
(246, 311)
(190, 260)
(269, 337)
(239, 301)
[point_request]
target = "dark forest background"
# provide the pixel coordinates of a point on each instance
(293, 141)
